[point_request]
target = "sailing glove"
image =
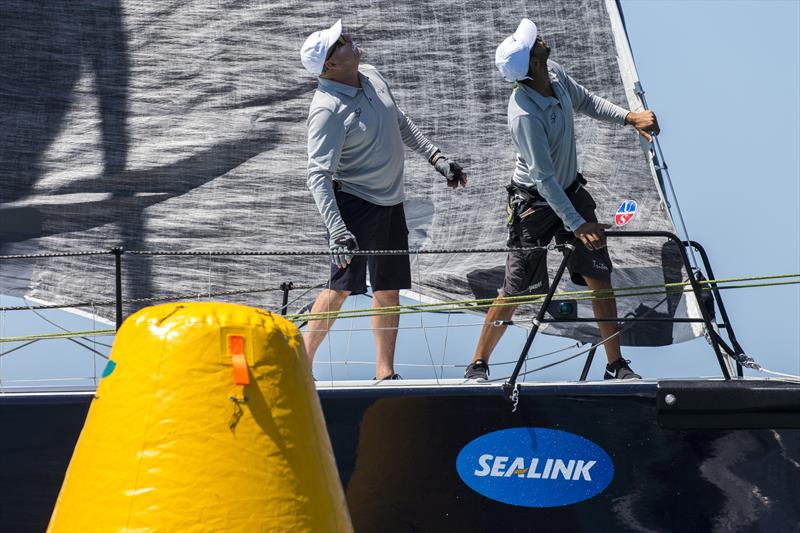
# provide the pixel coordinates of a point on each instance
(341, 244)
(449, 169)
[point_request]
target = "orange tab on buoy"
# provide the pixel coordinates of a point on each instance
(236, 350)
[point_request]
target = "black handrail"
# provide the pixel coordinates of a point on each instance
(726, 323)
(511, 384)
(569, 248)
(718, 344)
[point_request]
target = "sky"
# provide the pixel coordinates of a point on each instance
(724, 79)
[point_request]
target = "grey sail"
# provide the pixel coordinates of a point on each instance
(181, 126)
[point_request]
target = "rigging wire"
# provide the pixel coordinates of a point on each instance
(94, 346)
(661, 167)
(15, 348)
(421, 323)
(456, 305)
(330, 349)
(444, 348)
(53, 323)
(501, 363)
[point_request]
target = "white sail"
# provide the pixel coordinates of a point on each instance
(182, 127)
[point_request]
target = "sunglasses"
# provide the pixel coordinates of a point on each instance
(339, 42)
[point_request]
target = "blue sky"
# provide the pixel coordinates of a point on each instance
(724, 79)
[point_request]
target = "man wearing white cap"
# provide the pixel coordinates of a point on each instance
(546, 196)
(356, 148)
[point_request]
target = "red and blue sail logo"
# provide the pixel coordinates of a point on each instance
(625, 212)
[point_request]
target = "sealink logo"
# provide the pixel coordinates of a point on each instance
(625, 212)
(535, 467)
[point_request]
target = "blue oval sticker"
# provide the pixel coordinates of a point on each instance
(535, 467)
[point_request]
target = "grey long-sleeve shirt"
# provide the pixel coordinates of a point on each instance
(543, 131)
(357, 135)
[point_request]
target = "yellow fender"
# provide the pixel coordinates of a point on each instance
(207, 419)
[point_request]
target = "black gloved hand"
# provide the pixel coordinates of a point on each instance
(340, 245)
(451, 170)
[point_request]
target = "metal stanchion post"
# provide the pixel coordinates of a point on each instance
(118, 282)
(285, 287)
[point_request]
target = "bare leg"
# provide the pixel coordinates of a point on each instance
(606, 308)
(316, 330)
(491, 334)
(385, 329)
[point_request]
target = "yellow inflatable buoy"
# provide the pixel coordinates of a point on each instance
(207, 419)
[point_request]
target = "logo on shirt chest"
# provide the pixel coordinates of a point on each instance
(355, 123)
(552, 117)
(358, 122)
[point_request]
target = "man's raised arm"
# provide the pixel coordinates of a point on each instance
(589, 104)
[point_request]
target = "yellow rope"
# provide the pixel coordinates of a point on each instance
(459, 305)
(474, 304)
(62, 335)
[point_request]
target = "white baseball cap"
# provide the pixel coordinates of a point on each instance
(315, 49)
(513, 55)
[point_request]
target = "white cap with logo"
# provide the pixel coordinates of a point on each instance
(315, 49)
(513, 55)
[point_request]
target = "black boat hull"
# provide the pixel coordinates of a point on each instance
(397, 450)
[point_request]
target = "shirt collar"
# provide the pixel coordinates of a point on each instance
(335, 86)
(539, 99)
(543, 102)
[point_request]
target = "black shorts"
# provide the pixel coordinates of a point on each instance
(526, 272)
(375, 227)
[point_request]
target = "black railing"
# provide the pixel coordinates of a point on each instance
(720, 347)
(717, 343)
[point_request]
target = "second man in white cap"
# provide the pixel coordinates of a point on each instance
(547, 198)
(357, 136)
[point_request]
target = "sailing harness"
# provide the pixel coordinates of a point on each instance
(524, 201)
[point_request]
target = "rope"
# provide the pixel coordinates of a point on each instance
(790, 377)
(101, 303)
(355, 252)
(56, 254)
(461, 304)
(65, 330)
(749, 362)
(180, 296)
(473, 304)
(60, 335)
(456, 305)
